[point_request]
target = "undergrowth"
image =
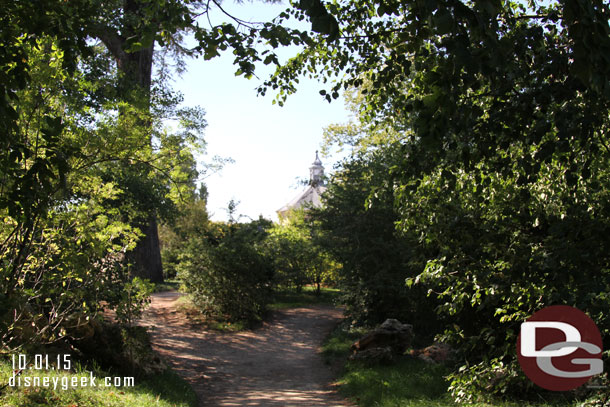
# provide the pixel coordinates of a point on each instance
(408, 382)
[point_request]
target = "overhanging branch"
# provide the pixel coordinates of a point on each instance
(111, 39)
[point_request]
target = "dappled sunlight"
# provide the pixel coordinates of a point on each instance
(275, 365)
(263, 397)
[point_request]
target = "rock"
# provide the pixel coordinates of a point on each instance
(392, 333)
(374, 355)
(383, 344)
(435, 353)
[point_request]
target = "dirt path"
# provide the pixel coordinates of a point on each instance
(276, 365)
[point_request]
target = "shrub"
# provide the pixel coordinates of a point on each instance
(298, 259)
(227, 272)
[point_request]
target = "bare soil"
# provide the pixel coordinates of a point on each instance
(275, 365)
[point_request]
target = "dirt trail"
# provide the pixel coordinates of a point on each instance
(275, 365)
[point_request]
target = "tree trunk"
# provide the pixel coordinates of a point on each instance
(147, 255)
(137, 68)
(135, 83)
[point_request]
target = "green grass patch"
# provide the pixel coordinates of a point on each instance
(282, 299)
(167, 285)
(336, 347)
(163, 390)
(286, 298)
(199, 318)
(409, 382)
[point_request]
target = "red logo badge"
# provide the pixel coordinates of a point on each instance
(559, 348)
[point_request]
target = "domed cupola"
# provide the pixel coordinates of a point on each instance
(316, 172)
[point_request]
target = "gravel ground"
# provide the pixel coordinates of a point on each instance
(275, 365)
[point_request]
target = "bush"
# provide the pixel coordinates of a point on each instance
(227, 272)
(505, 249)
(298, 259)
(190, 220)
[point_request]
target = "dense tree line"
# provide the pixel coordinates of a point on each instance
(482, 133)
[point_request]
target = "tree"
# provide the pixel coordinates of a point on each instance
(190, 221)
(68, 254)
(500, 169)
(358, 228)
(129, 29)
(85, 164)
(468, 78)
(25, 189)
(297, 257)
(60, 256)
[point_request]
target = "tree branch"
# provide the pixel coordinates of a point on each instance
(239, 21)
(111, 39)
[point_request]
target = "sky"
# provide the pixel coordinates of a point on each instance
(272, 146)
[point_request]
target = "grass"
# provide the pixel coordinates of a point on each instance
(196, 317)
(163, 390)
(283, 299)
(409, 382)
(167, 285)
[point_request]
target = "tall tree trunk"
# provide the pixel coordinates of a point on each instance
(135, 69)
(147, 255)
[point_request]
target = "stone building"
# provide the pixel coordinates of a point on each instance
(311, 196)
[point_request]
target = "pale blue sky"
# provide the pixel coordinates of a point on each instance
(272, 146)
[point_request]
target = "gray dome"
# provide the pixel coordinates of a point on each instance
(317, 161)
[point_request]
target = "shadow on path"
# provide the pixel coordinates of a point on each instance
(275, 365)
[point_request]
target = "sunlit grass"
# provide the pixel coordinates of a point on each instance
(167, 285)
(162, 390)
(285, 298)
(409, 382)
(406, 383)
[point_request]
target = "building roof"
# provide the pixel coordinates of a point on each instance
(311, 196)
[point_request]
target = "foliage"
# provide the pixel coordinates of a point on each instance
(358, 229)
(226, 270)
(506, 250)
(135, 297)
(498, 117)
(86, 166)
(67, 254)
(298, 260)
(190, 221)
(24, 189)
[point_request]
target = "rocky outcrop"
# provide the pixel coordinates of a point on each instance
(390, 339)
(435, 353)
